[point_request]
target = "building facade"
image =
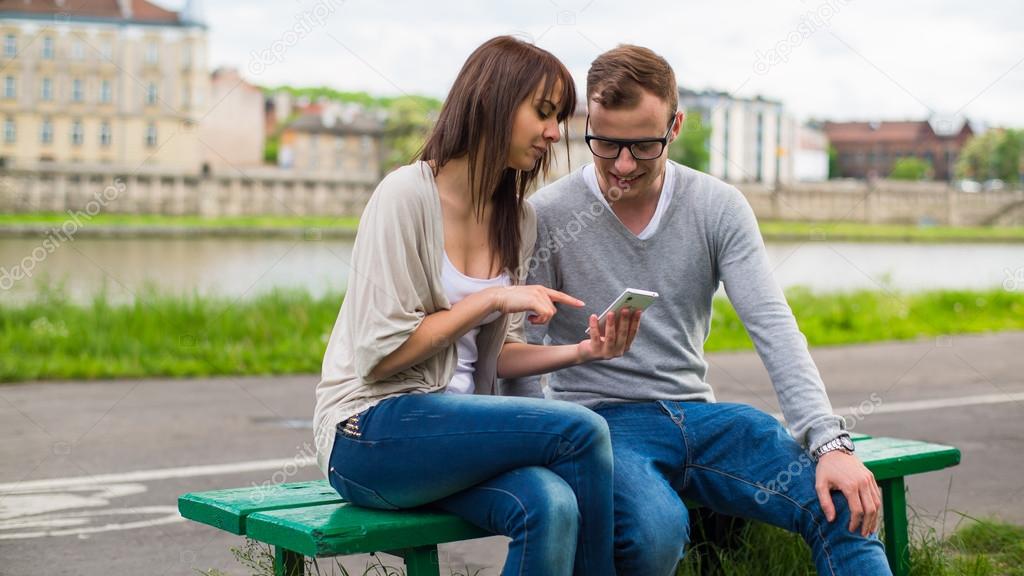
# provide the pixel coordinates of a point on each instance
(752, 139)
(232, 132)
(107, 82)
(869, 150)
(338, 140)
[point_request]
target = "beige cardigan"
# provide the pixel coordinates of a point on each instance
(395, 281)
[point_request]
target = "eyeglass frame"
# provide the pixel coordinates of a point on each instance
(628, 143)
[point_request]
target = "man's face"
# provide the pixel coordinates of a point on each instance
(625, 177)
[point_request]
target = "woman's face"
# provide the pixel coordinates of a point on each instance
(534, 128)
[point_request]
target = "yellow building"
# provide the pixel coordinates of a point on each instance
(116, 82)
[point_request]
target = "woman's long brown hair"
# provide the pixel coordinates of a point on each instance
(476, 121)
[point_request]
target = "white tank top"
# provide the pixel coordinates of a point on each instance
(457, 286)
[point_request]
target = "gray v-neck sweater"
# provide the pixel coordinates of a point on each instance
(707, 235)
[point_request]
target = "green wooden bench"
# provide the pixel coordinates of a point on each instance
(310, 519)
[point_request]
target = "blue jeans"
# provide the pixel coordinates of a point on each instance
(736, 460)
(537, 471)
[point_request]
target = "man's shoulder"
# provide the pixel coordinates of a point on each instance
(554, 195)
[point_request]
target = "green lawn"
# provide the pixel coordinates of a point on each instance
(286, 332)
(771, 230)
(855, 231)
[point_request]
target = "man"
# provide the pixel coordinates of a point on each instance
(635, 219)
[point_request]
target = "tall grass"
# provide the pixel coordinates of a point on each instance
(284, 332)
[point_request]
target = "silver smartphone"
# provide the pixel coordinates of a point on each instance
(630, 298)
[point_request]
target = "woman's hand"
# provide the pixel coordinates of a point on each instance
(537, 300)
(619, 331)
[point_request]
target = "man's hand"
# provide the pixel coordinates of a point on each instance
(619, 332)
(838, 470)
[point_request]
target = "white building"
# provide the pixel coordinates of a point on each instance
(752, 139)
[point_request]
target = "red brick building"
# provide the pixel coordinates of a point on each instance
(869, 149)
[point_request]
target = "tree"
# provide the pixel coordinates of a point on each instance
(994, 154)
(833, 162)
(911, 168)
(691, 149)
(409, 121)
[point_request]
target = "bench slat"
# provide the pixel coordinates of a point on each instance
(893, 457)
(334, 529)
(312, 519)
(228, 509)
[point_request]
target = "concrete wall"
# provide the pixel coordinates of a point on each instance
(279, 192)
(263, 192)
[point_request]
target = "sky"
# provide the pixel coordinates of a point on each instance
(824, 59)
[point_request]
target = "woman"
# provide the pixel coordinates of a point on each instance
(434, 313)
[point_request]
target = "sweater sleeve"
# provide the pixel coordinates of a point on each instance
(389, 283)
(750, 284)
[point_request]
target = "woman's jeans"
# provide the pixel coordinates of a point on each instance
(736, 460)
(537, 471)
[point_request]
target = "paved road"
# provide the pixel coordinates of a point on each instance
(90, 470)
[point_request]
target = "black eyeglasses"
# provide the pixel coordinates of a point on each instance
(641, 149)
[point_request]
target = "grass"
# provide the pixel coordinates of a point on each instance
(857, 231)
(875, 316)
(286, 332)
(983, 547)
(159, 221)
(771, 230)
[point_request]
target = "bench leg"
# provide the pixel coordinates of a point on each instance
(288, 563)
(897, 540)
(420, 561)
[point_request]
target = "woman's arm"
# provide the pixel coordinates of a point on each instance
(518, 360)
(437, 331)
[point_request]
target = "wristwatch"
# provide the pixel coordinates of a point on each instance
(841, 442)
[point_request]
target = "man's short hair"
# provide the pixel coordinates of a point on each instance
(617, 77)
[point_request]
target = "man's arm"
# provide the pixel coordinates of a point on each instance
(750, 284)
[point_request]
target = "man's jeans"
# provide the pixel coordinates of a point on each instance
(732, 458)
(537, 471)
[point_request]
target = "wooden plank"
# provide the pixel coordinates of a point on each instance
(228, 509)
(333, 529)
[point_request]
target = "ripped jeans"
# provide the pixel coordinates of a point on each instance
(537, 471)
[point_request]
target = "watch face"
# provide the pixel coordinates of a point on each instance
(846, 442)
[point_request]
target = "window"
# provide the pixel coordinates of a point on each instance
(47, 51)
(10, 46)
(186, 56)
(105, 136)
(186, 96)
(10, 130)
(46, 131)
(105, 91)
(78, 50)
(152, 53)
(77, 90)
(10, 88)
(77, 133)
(46, 92)
(107, 50)
(151, 93)
(151, 135)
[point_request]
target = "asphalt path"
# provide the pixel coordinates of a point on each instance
(91, 470)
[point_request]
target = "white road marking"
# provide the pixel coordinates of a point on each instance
(932, 404)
